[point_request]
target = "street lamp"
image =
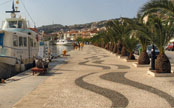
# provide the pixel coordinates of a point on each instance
(153, 56)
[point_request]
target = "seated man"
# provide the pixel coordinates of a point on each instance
(39, 63)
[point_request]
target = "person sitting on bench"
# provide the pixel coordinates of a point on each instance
(40, 63)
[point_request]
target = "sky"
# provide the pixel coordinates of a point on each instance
(70, 12)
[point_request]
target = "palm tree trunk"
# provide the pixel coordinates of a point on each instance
(103, 45)
(115, 48)
(106, 45)
(143, 58)
(162, 64)
(119, 47)
(131, 56)
(124, 51)
(111, 47)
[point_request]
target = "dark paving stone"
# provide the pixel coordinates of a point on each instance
(105, 56)
(90, 57)
(103, 67)
(118, 77)
(118, 100)
(98, 62)
(93, 58)
(122, 66)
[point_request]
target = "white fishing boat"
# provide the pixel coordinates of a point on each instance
(19, 45)
(63, 42)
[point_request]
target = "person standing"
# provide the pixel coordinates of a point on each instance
(79, 45)
(74, 45)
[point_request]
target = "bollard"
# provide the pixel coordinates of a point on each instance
(64, 52)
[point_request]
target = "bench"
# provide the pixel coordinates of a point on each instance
(39, 70)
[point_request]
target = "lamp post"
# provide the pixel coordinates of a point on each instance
(153, 56)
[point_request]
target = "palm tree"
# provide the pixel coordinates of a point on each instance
(143, 58)
(130, 43)
(164, 7)
(113, 36)
(131, 37)
(163, 32)
(115, 29)
(102, 39)
(120, 27)
(141, 30)
(160, 32)
(97, 39)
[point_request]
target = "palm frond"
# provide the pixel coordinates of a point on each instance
(155, 6)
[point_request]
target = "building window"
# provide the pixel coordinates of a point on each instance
(15, 41)
(34, 44)
(25, 42)
(21, 43)
(31, 42)
(12, 24)
(19, 24)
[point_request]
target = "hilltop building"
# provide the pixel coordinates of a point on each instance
(74, 34)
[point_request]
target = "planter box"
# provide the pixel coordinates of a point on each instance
(154, 74)
(130, 60)
(123, 57)
(140, 65)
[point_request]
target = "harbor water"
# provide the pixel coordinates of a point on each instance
(57, 49)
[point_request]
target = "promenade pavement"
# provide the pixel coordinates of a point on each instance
(22, 84)
(96, 78)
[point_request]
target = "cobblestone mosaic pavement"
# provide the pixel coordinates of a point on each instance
(96, 78)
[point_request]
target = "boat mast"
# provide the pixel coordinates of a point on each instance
(13, 12)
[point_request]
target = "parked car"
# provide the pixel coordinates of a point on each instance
(137, 49)
(149, 50)
(170, 47)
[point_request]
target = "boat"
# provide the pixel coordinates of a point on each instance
(63, 42)
(19, 45)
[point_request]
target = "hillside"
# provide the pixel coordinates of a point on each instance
(51, 28)
(58, 27)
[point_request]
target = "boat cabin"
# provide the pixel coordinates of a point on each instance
(13, 23)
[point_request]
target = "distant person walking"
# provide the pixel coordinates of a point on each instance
(81, 45)
(74, 45)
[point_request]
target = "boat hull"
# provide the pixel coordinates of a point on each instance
(66, 44)
(7, 60)
(63, 42)
(6, 71)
